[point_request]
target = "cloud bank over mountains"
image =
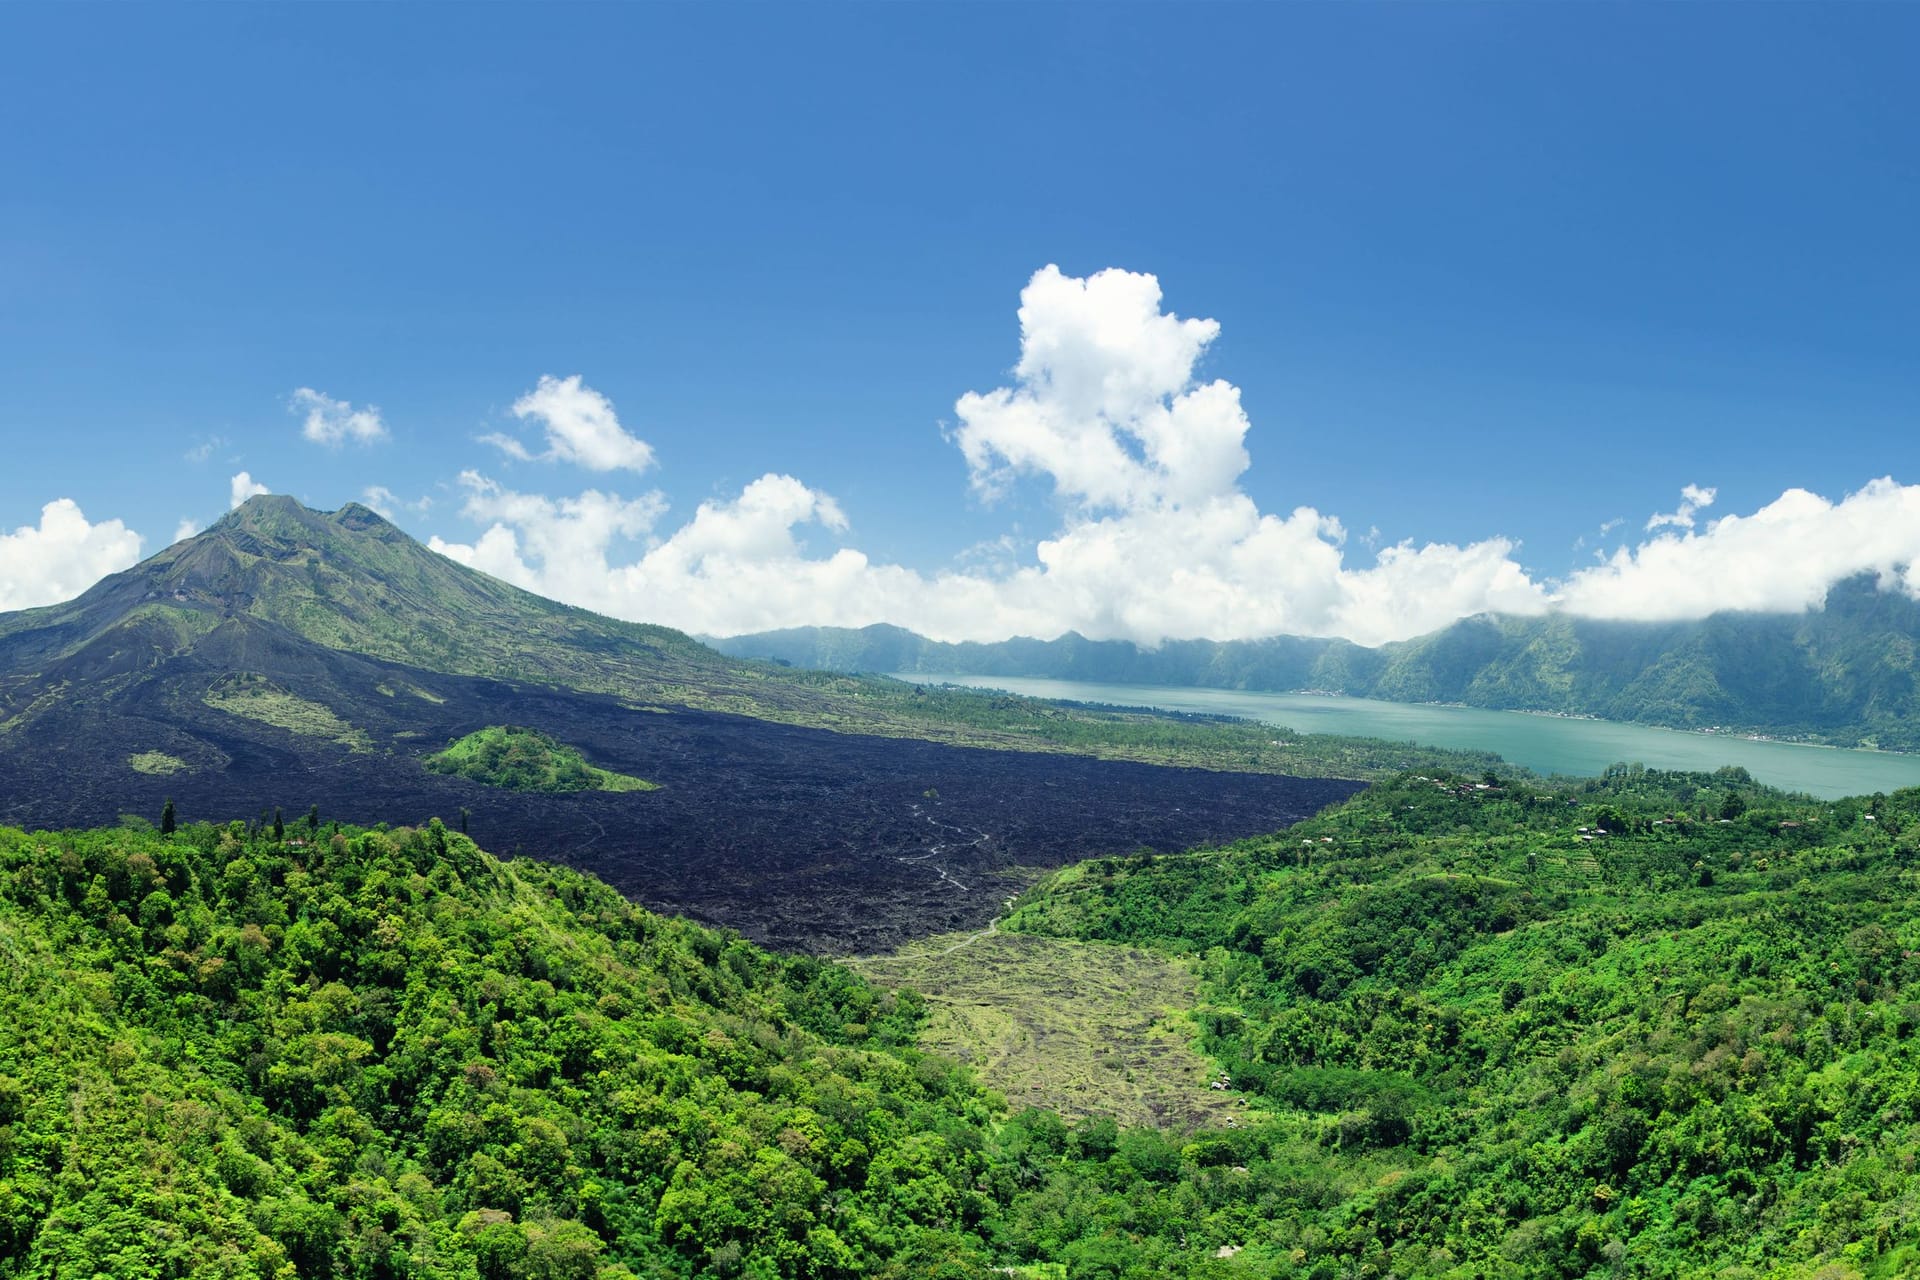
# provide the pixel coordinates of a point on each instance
(1156, 538)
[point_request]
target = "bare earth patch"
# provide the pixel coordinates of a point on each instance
(1079, 1028)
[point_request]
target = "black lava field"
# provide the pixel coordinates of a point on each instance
(803, 839)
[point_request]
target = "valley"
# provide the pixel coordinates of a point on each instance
(799, 838)
(1649, 1024)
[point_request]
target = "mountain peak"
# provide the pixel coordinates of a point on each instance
(279, 517)
(264, 509)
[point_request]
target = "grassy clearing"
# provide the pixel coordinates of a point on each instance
(258, 698)
(1080, 1028)
(158, 763)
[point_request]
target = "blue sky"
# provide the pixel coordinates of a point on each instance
(1483, 274)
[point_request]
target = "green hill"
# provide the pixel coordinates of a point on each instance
(384, 1053)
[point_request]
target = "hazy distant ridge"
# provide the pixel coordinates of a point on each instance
(1843, 674)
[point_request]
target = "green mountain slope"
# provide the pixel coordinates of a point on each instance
(351, 581)
(1843, 674)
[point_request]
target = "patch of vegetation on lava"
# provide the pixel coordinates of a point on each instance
(514, 758)
(157, 763)
(257, 698)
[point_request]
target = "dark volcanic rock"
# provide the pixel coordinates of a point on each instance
(800, 838)
(797, 837)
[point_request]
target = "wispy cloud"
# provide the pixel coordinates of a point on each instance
(580, 427)
(1693, 499)
(335, 422)
(204, 449)
(388, 504)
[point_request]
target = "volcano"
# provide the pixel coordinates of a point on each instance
(288, 658)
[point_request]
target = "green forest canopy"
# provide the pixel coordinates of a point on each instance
(1486, 1042)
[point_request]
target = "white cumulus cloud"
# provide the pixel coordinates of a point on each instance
(335, 422)
(1105, 404)
(557, 547)
(242, 487)
(61, 556)
(580, 425)
(1157, 539)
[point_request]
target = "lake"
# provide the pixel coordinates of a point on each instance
(1545, 744)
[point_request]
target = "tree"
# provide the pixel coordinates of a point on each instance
(313, 818)
(279, 827)
(166, 818)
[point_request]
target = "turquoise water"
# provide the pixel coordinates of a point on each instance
(1545, 744)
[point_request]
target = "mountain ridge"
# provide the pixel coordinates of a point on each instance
(351, 580)
(1844, 674)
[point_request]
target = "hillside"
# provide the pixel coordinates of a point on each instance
(309, 658)
(1843, 674)
(1653, 1025)
(1478, 1043)
(372, 1054)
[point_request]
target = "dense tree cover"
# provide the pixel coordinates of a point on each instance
(1482, 1041)
(383, 1053)
(1653, 1025)
(520, 759)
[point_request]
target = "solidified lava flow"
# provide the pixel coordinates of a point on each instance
(802, 839)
